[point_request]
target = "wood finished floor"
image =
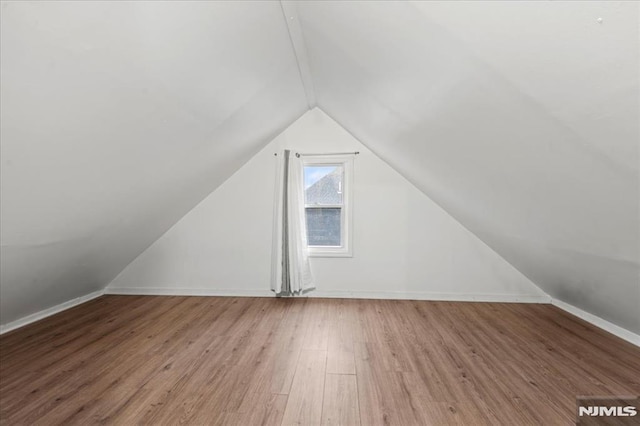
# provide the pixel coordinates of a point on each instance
(266, 361)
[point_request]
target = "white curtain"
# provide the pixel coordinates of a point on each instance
(290, 268)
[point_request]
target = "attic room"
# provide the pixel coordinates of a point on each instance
(319, 213)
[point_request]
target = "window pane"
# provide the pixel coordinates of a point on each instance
(323, 226)
(323, 185)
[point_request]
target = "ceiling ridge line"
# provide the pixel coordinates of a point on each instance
(290, 15)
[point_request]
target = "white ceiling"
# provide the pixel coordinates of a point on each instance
(519, 118)
(117, 118)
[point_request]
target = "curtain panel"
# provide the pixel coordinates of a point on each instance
(290, 266)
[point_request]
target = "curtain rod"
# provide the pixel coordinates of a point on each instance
(328, 153)
(324, 153)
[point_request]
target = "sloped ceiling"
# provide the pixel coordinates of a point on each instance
(519, 118)
(117, 118)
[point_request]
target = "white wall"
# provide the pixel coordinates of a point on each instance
(404, 245)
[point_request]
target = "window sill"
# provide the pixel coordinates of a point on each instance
(324, 252)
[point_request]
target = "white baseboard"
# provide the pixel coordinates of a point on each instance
(622, 333)
(49, 311)
(419, 295)
(395, 295)
(183, 291)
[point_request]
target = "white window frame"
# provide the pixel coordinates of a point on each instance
(346, 218)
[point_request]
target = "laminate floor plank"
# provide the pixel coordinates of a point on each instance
(58, 384)
(340, 402)
(126, 360)
(259, 409)
(340, 357)
(304, 405)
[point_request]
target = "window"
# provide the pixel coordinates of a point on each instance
(327, 187)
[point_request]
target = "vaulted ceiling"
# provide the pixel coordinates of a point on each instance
(521, 119)
(119, 117)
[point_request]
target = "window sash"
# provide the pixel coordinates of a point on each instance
(342, 167)
(342, 227)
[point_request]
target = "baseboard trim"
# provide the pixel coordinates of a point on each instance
(182, 291)
(394, 295)
(419, 295)
(622, 333)
(49, 311)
